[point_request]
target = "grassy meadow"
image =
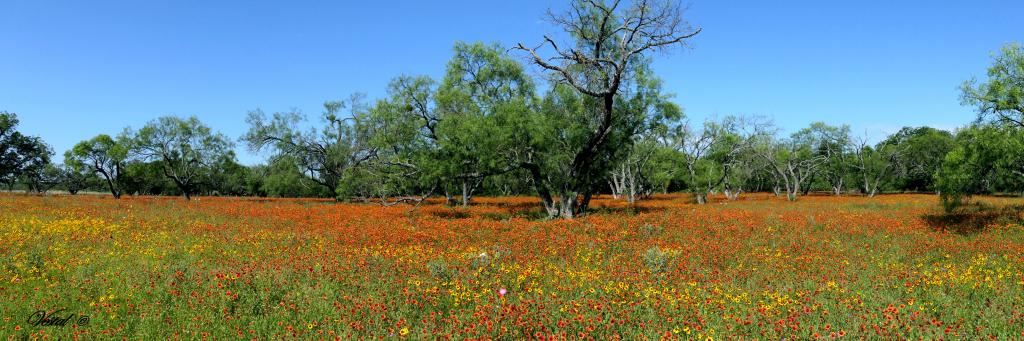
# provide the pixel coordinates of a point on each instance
(153, 268)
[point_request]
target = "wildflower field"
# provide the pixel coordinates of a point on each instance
(758, 268)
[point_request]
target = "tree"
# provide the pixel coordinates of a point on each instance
(545, 140)
(644, 158)
(325, 155)
(650, 166)
(448, 137)
(283, 178)
(1002, 97)
(917, 155)
(10, 139)
(481, 86)
(146, 178)
(20, 155)
(232, 179)
(720, 156)
(703, 173)
(736, 153)
(42, 179)
(833, 144)
(34, 161)
(186, 148)
(794, 160)
(873, 165)
(104, 155)
(986, 159)
(405, 136)
(610, 45)
(76, 177)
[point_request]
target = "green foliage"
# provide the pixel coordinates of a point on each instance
(21, 156)
(283, 178)
(231, 178)
(10, 142)
(656, 260)
(986, 159)
(146, 178)
(644, 162)
(41, 179)
(324, 155)
(450, 137)
(75, 179)
(481, 88)
(919, 153)
(408, 158)
(833, 144)
(102, 155)
(36, 170)
(187, 149)
(551, 143)
(795, 161)
(1002, 97)
(594, 108)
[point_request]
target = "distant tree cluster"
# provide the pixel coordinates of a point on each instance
(600, 123)
(24, 158)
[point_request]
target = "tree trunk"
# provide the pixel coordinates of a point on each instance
(449, 199)
(550, 206)
(186, 189)
(567, 208)
(732, 195)
(837, 189)
(542, 190)
(617, 182)
(585, 204)
(794, 191)
(874, 188)
(630, 188)
(114, 190)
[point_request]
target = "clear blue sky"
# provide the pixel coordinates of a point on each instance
(74, 69)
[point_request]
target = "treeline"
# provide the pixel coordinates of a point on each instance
(600, 124)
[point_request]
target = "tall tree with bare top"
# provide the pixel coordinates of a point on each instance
(608, 42)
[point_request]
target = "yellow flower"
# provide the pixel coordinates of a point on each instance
(404, 331)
